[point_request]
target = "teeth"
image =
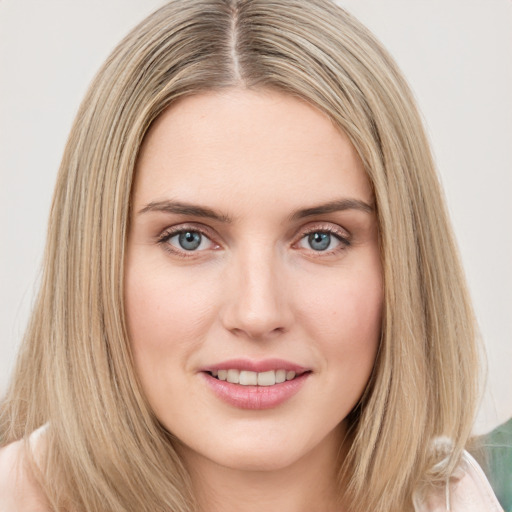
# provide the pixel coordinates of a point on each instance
(233, 376)
(290, 375)
(280, 376)
(247, 378)
(267, 378)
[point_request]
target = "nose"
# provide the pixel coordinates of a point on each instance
(257, 302)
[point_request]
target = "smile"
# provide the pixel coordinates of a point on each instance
(255, 385)
(250, 378)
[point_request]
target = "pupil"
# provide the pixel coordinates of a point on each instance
(190, 240)
(319, 241)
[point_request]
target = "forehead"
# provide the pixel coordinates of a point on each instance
(247, 145)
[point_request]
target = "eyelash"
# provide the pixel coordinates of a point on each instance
(169, 233)
(337, 233)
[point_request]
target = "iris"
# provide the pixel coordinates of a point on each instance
(190, 240)
(319, 241)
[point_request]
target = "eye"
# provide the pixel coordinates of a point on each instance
(322, 240)
(189, 240)
(186, 240)
(319, 241)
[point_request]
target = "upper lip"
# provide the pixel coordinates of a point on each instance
(264, 365)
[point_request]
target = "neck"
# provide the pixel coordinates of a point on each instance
(310, 483)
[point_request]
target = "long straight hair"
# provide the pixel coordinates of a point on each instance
(105, 449)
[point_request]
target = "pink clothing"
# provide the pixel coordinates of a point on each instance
(468, 492)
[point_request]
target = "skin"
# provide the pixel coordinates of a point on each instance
(254, 289)
(19, 489)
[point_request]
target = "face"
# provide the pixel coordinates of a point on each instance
(253, 278)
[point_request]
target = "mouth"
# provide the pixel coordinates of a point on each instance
(252, 378)
(248, 385)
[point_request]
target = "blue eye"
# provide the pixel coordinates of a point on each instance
(323, 241)
(319, 241)
(189, 240)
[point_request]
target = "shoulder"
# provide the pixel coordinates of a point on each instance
(467, 491)
(18, 490)
(472, 491)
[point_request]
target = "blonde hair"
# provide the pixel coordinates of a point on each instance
(105, 449)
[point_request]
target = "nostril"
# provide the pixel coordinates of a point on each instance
(255, 333)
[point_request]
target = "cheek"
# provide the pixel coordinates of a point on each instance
(352, 348)
(166, 313)
(351, 303)
(345, 317)
(168, 318)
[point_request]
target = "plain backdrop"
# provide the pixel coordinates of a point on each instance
(456, 54)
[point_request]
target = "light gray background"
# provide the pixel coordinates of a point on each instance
(457, 55)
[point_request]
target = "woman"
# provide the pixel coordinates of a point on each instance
(251, 295)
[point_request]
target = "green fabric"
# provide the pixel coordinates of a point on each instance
(495, 456)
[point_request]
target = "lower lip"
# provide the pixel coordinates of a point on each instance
(255, 397)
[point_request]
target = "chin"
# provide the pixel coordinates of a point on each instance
(266, 451)
(268, 459)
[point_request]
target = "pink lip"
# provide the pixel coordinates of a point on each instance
(256, 366)
(256, 397)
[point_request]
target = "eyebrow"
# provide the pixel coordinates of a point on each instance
(334, 206)
(180, 208)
